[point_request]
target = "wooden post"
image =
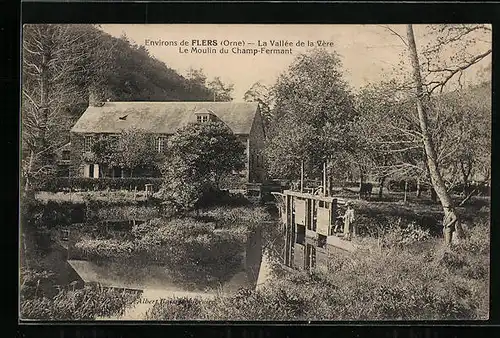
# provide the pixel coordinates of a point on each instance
(406, 189)
(302, 176)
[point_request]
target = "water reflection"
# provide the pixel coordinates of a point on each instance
(178, 272)
(305, 253)
(174, 269)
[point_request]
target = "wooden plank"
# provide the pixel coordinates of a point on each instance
(300, 212)
(323, 221)
(311, 233)
(308, 196)
(341, 243)
(299, 256)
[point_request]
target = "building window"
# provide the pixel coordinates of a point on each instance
(87, 144)
(160, 144)
(202, 118)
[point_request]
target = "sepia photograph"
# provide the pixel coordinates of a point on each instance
(255, 172)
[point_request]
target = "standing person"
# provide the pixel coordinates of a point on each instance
(348, 217)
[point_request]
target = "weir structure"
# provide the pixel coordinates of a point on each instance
(310, 215)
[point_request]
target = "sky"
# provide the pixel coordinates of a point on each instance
(369, 53)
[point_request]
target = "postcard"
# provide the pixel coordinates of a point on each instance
(256, 172)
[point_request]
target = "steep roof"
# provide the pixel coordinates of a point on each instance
(162, 117)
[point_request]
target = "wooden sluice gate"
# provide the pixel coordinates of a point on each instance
(308, 216)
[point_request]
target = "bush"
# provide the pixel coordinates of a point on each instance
(103, 248)
(85, 183)
(51, 213)
(398, 236)
(175, 309)
(215, 197)
(83, 304)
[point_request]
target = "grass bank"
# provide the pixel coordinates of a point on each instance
(406, 280)
(80, 304)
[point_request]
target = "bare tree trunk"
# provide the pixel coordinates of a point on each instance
(433, 194)
(28, 172)
(44, 98)
(381, 186)
(419, 188)
(406, 192)
(435, 175)
(466, 174)
(360, 182)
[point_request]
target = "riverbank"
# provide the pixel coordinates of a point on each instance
(420, 281)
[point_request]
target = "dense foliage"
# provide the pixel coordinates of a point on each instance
(312, 111)
(133, 149)
(198, 156)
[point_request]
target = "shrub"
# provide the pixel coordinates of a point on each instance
(404, 235)
(82, 304)
(215, 197)
(85, 183)
(175, 309)
(103, 248)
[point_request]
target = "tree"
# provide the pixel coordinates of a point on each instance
(260, 93)
(58, 63)
(394, 150)
(311, 115)
(220, 91)
(198, 156)
(289, 145)
(453, 49)
(430, 152)
(104, 151)
(466, 138)
(196, 77)
(135, 150)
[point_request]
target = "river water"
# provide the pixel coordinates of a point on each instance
(249, 268)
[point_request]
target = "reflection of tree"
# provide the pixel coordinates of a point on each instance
(185, 253)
